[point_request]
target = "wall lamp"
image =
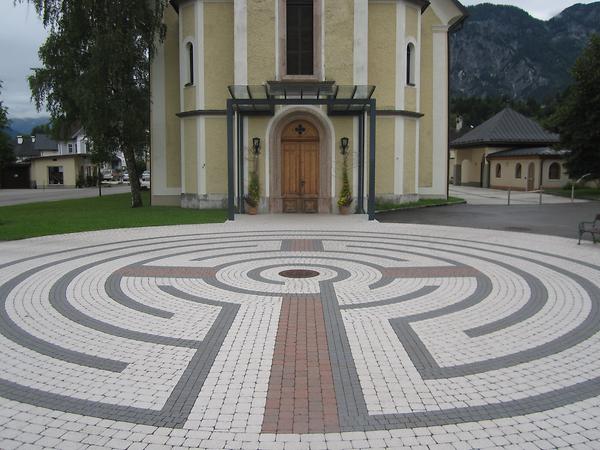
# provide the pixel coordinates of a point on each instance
(256, 145)
(344, 145)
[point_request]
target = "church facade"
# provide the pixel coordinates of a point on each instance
(297, 92)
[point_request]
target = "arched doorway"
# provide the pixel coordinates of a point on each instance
(300, 168)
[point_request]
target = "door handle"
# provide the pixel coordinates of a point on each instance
(302, 186)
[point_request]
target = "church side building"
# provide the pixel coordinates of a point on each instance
(290, 89)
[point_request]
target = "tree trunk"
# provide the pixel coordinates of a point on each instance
(134, 178)
(99, 181)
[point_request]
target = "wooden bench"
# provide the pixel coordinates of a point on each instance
(592, 228)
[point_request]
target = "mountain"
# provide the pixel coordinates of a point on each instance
(25, 125)
(503, 51)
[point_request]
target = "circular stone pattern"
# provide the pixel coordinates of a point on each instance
(186, 334)
(299, 273)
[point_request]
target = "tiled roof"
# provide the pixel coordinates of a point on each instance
(543, 152)
(28, 148)
(508, 127)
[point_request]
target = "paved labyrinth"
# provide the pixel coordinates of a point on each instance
(258, 336)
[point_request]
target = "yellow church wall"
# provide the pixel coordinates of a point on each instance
(261, 41)
(426, 124)
(216, 155)
(218, 53)
(412, 21)
(339, 41)
(257, 127)
(190, 139)
(410, 130)
(384, 164)
(343, 126)
(382, 53)
(172, 101)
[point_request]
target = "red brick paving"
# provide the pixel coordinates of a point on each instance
(303, 245)
(301, 395)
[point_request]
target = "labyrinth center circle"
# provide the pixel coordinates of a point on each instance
(299, 273)
(133, 323)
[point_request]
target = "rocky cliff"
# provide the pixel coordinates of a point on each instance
(503, 51)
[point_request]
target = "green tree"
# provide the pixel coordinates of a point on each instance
(45, 128)
(6, 151)
(96, 64)
(578, 117)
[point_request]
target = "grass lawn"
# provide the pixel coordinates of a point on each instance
(384, 206)
(88, 214)
(580, 193)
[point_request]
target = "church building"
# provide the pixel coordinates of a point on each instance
(295, 92)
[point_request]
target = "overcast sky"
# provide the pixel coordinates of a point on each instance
(21, 34)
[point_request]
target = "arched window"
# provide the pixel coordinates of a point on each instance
(554, 171)
(410, 64)
(190, 63)
(498, 171)
(518, 171)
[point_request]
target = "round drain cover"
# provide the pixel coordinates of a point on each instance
(299, 273)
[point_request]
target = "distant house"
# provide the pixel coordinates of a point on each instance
(51, 164)
(508, 151)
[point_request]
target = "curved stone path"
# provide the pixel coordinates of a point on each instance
(335, 335)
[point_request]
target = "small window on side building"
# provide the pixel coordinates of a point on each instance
(518, 171)
(498, 171)
(554, 171)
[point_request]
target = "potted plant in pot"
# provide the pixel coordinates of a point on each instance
(253, 197)
(345, 199)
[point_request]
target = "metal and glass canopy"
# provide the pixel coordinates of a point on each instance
(341, 100)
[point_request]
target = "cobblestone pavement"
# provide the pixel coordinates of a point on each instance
(266, 334)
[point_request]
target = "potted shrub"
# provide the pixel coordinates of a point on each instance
(253, 197)
(345, 199)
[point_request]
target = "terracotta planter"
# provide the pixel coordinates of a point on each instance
(251, 210)
(345, 210)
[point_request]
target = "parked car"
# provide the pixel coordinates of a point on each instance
(145, 180)
(107, 175)
(125, 177)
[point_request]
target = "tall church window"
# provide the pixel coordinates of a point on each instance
(410, 64)
(300, 37)
(190, 63)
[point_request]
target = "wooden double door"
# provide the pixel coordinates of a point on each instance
(300, 168)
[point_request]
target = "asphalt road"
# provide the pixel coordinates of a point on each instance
(20, 196)
(555, 219)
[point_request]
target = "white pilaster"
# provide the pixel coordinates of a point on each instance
(440, 110)
(182, 82)
(418, 108)
(240, 11)
(159, 125)
(400, 91)
(200, 101)
(361, 41)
